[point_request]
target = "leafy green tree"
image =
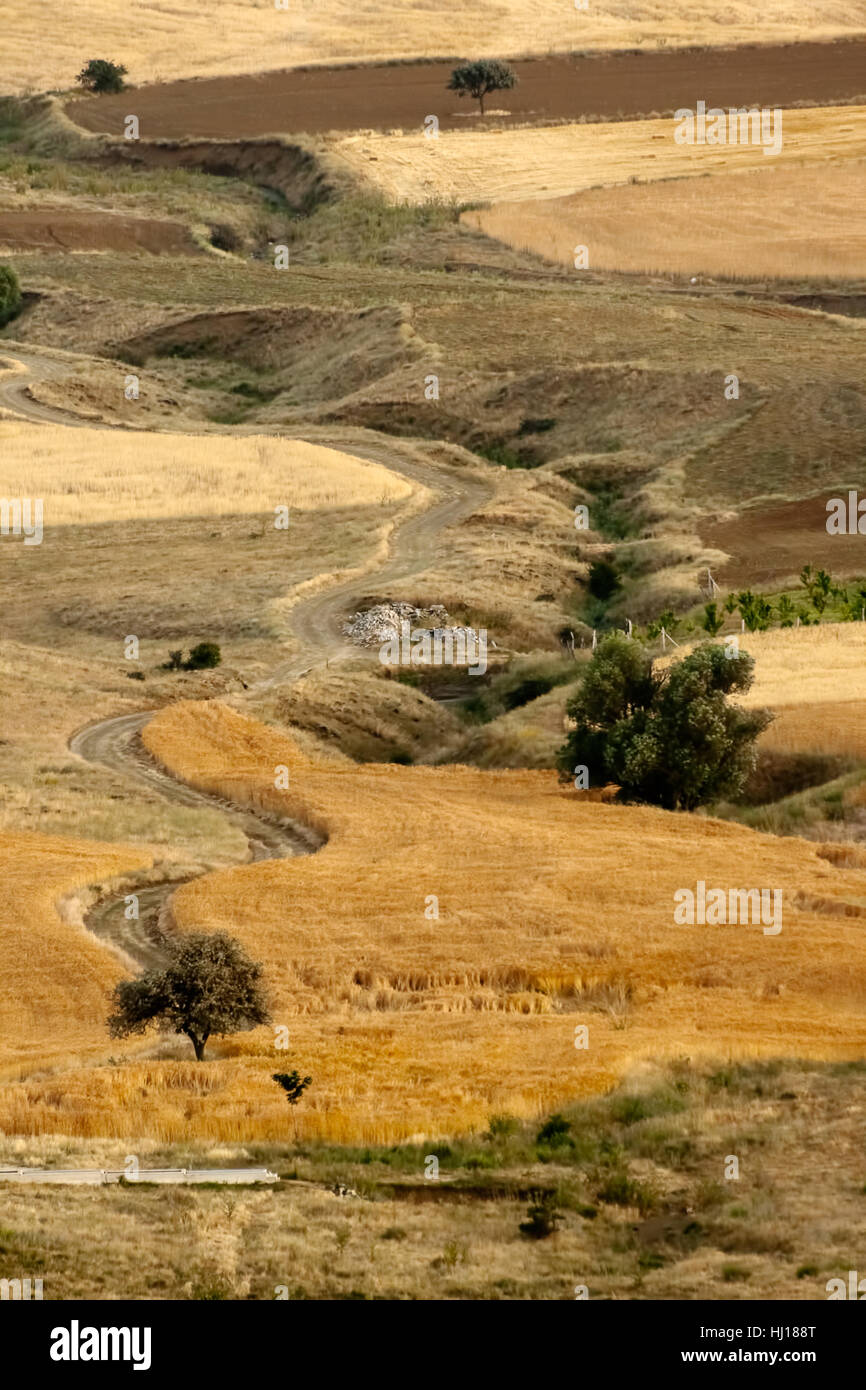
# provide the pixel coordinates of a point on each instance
(99, 75)
(755, 611)
(820, 590)
(10, 294)
(670, 737)
(209, 986)
(478, 79)
(712, 620)
(785, 611)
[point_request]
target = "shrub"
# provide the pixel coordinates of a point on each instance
(542, 1218)
(10, 294)
(99, 75)
(603, 580)
(554, 1133)
(224, 237)
(203, 657)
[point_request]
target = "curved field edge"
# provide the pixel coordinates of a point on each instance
(416, 1025)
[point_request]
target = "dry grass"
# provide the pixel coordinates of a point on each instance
(81, 481)
(746, 224)
(788, 1232)
(807, 666)
(491, 166)
(158, 42)
(413, 1026)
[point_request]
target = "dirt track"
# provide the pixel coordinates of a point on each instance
(605, 86)
(316, 622)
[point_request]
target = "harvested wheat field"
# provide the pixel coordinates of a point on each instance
(740, 225)
(55, 974)
(807, 665)
(180, 475)
(417, 1025)
(492, 166)
(158, 42)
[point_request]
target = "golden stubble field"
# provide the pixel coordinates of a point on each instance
(530, 162)
(737, 225)
(118, 478)
(159, 42)
(417, 1025)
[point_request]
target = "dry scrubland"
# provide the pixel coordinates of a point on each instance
(158, 43)
(119, 478)
(495, 165)
(417, 1027)
(737, 225)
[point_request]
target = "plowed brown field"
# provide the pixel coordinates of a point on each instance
(603, 86)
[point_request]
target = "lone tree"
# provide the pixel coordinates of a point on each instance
(101, 76)
(477, 79)
(210, 985)
(10, 294)
(667, 737)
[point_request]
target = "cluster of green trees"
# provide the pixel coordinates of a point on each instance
(757, 612)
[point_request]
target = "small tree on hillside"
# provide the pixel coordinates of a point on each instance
(667, 737)
(99, 75)
(10, 294)
(713, 620)
(477, 79)
(210, 985)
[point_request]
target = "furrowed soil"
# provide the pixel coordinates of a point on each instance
(771, 543)
(571, 87)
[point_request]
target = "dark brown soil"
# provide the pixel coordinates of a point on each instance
(772, 543)
(605, 86)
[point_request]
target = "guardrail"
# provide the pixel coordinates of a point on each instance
(98, 1176)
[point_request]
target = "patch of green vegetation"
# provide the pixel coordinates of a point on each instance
(506, 457)
(362, 228)
(524, 680)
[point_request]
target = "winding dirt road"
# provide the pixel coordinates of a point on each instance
(316, 624)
